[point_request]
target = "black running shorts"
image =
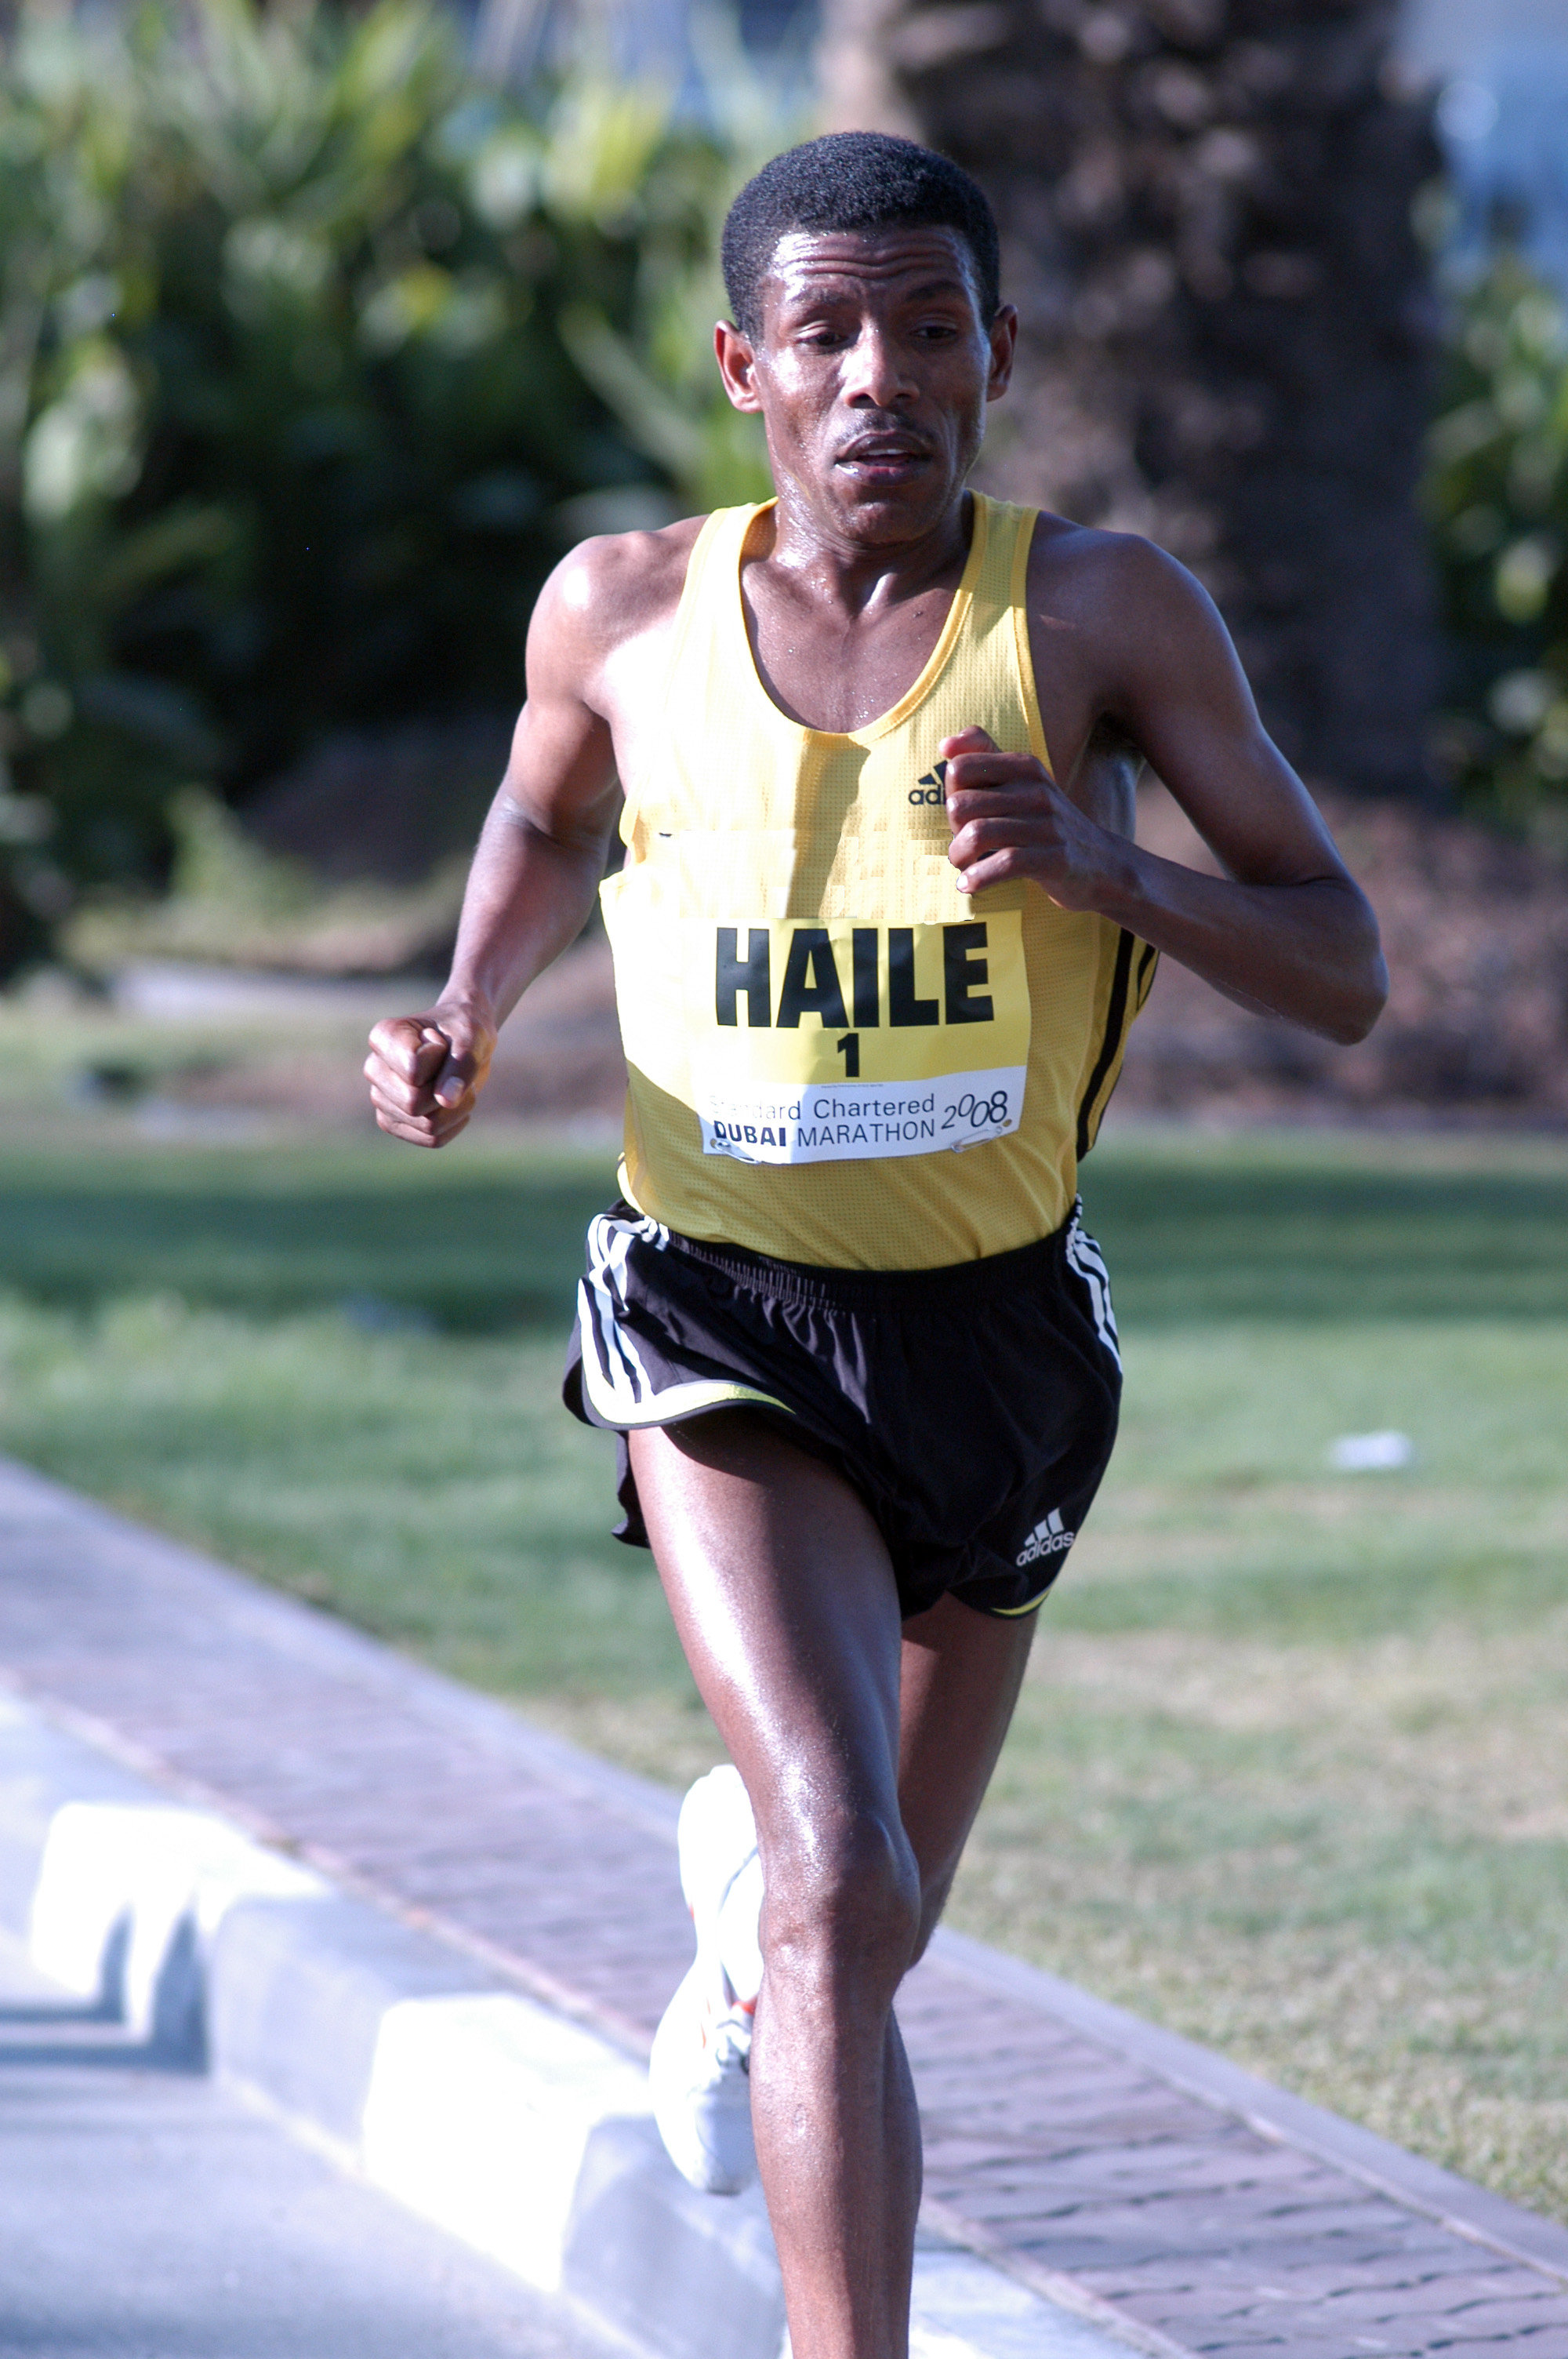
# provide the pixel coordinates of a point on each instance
(973, 1407)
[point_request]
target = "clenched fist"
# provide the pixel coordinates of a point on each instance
(1010, 819)
(426, 1072)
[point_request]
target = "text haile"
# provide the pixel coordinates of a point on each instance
(813, 984)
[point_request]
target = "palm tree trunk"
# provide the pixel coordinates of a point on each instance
(1227, 329)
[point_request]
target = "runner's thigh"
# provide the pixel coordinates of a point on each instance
(784, 1599)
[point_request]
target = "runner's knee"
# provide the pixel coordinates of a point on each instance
(842, 1889)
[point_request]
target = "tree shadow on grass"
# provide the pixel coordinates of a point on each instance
(472, 1258)
(1193, 1242)
(475, 1250)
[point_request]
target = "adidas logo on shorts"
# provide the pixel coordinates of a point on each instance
(1046, 1539)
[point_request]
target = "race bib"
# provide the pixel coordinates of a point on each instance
(836, 1041)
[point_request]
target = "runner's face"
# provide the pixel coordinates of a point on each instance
(871, 373)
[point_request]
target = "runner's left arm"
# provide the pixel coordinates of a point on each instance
(1286, 931)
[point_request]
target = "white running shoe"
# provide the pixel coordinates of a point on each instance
(699, 2069)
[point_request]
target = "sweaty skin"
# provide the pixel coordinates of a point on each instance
(866, 1747)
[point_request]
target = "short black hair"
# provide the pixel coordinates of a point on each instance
(853, 181)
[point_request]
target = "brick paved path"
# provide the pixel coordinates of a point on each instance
(1062, 2137)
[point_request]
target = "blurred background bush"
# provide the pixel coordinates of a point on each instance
(1498, 496)
(315, 353)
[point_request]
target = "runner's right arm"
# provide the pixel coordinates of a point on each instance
(538, 863)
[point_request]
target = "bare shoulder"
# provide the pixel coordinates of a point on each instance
(1117, 581)
(1129, 632)
(608, 590)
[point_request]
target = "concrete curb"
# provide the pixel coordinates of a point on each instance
(524, 2133)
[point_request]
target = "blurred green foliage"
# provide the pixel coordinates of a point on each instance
(314, 356)
(1498, 491)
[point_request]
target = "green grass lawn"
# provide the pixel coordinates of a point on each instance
(1291, 1770)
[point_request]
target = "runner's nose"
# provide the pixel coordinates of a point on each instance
(876, 377)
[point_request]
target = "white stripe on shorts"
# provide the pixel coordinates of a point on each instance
(615, 1375)
(1085, 1257)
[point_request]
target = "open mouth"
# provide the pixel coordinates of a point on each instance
(884, 457)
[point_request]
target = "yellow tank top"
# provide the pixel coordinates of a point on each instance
(815, 1019)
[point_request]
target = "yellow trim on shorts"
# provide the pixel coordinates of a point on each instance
(675, 1403)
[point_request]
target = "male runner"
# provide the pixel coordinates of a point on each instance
(879, 740)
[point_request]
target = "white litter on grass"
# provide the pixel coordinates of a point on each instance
(1370, 1453)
